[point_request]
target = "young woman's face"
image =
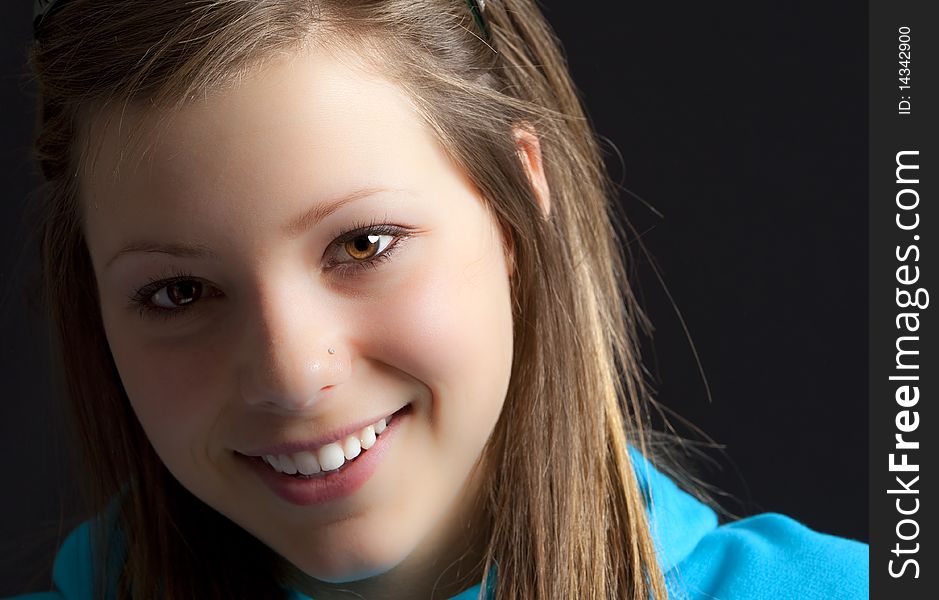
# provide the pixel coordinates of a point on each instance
(277, 330)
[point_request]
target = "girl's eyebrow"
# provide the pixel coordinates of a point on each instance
(321, 210)
(293, 229)
(183, 250)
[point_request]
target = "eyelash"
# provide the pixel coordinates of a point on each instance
(140, 299)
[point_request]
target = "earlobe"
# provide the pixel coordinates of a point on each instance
(529, 151)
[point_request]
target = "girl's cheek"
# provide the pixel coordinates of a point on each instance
(172, 389)
(446, 318)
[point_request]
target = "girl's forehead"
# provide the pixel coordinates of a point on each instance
(333, 112)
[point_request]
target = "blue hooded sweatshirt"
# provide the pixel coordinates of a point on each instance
(764, 557)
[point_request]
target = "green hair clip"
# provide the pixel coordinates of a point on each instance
(477, 7)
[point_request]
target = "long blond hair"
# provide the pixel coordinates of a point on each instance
(563, 519)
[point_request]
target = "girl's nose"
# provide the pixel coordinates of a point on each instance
(292, 361)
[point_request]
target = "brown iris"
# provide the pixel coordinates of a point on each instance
(362, 247)
(184, 292)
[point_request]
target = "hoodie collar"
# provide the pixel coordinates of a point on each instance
(677, 520)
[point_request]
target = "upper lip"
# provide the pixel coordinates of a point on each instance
(332, 436)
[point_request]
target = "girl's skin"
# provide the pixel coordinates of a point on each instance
(246, 366)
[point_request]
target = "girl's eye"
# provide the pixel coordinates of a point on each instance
(167, 298)
(365, 246)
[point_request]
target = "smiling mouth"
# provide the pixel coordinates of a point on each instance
(330, 458)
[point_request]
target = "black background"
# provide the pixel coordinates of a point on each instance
(744, 126)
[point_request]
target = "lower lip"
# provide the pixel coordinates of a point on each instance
(343, 482)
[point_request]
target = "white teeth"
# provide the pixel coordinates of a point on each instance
(351, 447)
(331, 456)
(287, 465)
(367, 437)
(306, 463)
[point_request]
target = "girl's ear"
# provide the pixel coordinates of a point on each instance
(529, 151)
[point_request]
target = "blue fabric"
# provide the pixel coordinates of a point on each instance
(768, 556)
